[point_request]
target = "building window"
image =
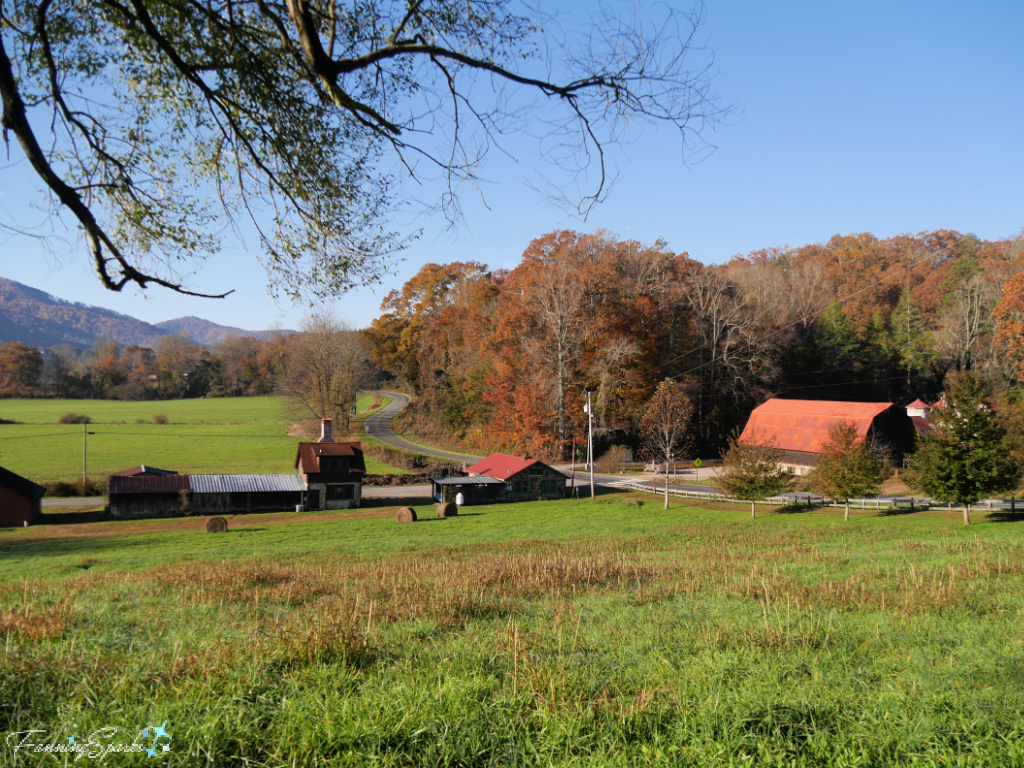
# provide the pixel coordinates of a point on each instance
(333, 463)
(340, 492)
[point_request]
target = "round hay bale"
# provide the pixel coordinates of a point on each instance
(406, 515)
(447, 509)
(216, 525)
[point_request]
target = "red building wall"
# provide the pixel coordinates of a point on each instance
(16, 510)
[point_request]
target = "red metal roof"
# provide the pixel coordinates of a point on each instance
(500, 466)
(143, 471)
(919, 403)
(922, 426)
(803, 425)
(159, 484)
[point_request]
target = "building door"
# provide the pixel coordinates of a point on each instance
(313, 498)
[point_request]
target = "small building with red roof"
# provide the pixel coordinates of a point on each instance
(800, 428)
(523, 479)
(920, 412)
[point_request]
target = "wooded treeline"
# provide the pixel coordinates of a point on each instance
(503, 359)
(174, 368)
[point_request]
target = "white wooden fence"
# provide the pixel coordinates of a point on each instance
(910, 503)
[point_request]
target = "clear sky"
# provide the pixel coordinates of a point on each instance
(888, 117)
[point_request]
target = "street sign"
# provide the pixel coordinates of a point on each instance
(697, 463)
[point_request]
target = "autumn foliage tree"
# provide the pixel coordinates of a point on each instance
(665, 422)
(1009, 314)
(21, 369)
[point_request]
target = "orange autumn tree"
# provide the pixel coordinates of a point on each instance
(1009, 314)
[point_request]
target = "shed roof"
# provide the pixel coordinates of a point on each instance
(20, 485)
(500, 466)
(246, 483)
(142, 470)
(308, 455)
(479, 480)
(143, 484)
(803, 425)
(922, 425)
(919, 403)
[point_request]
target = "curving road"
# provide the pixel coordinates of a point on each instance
(378, 427)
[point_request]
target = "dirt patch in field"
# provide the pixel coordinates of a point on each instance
(308, 430)
(51, 532)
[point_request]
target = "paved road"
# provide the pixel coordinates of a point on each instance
(378, 427)
(77, 502)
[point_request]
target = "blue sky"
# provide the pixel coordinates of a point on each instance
(888, 117)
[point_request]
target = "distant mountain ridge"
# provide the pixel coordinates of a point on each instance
(38, 319)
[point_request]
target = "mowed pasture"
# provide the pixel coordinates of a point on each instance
(545, 633)
(210, 435)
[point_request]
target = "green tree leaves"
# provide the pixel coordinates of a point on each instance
(969, 456)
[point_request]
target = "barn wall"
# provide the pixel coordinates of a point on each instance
(16, 510)
(535, 480)
(127, 505)
(246, 501)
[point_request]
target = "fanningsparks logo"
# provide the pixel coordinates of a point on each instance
(154, 740)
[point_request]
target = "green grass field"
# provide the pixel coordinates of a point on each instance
(211, 435)
(537, 634)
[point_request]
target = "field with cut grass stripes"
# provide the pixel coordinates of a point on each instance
(536, 634)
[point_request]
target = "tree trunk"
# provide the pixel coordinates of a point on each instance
(666, 482)
(846, 517)
(967, 514)
(752, 511)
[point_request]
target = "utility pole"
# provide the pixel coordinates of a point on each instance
(590, 444)
(85, 452)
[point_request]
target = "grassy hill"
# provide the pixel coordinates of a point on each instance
(222, 435)
(552, 634)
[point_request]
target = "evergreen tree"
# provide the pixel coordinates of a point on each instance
(910, 335)
(848, 467)
(835, 339)
(970, 455)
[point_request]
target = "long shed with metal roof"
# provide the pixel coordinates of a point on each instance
(173, 495)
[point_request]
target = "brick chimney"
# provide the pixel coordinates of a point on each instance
(325, 431)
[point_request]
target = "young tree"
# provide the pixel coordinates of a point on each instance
(664, 424)
(753, 471)
(150, 122)
(848, 467)
(969, 456)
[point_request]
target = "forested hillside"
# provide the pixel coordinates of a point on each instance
(503, 358)
(37, 319)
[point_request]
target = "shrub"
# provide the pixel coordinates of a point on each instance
(74, 418)
(140, 421)
(159, 419)
(612, 459)
(66, 489)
